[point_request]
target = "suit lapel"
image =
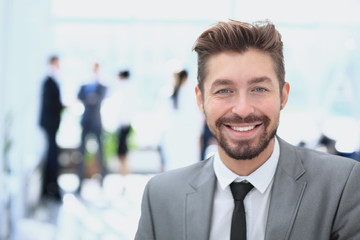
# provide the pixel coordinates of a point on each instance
(199, 203)
(286, 195)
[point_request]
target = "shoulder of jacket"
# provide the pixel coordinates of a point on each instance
(183, 174)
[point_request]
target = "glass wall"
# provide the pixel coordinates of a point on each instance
(151, 38)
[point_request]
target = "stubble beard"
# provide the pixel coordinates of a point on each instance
(245, 149)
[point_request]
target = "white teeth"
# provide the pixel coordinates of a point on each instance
(243, 129)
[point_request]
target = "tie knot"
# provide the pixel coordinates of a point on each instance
(240, 189)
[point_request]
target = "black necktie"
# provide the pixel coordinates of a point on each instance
(238, 222)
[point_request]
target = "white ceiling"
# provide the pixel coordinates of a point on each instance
(278, 11)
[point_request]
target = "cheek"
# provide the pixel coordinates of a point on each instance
(214, 109)
(271, 110)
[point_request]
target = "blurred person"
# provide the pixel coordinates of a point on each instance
(327, 143)
(50, 116)
(120, 109)
(208, 142)
(92, 95)
(125, 92)
(126, 106)
(181, 141)
(258, 186)
(181, 78)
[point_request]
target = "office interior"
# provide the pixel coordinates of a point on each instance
(152, 39)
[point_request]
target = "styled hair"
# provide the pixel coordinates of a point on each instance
(240, 37)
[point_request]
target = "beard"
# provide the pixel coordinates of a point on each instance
(245, 149)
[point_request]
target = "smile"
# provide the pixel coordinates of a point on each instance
(242, 129)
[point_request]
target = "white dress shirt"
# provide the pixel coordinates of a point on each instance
(256, 201)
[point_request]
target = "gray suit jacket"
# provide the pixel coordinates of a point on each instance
(315, 196)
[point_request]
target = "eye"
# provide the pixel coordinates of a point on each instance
(260, 89)
(223, 91)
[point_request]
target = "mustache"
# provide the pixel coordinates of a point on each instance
(236, 119)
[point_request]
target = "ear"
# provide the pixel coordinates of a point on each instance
(285, 94)
(199, 99)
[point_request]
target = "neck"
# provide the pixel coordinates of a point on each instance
(247, 166)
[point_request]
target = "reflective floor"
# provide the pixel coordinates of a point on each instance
(110, 212)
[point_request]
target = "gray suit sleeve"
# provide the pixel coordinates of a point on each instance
(145, 229)
(347, 222)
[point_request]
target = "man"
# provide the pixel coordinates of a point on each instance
(92, 95)
(296, 193)
(51, 108)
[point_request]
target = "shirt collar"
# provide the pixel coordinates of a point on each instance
(260, 178)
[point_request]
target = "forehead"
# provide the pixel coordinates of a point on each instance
(240, 67)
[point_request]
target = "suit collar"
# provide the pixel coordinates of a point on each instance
(289, 161)
(199, 203)
(287, 192)
(206, 172)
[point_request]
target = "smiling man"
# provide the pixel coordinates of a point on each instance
(257, 186)
(241, 99)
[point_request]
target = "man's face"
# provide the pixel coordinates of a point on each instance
(241, 101)
(56, 64)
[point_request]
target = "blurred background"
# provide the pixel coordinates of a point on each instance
(152, 40)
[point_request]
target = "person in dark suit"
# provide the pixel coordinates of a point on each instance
(92, 95)
(51, 107)
(291, 192)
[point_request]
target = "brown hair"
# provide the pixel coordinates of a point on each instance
(239, 37)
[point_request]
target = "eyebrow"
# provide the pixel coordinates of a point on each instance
(259, 80)
(227, 82)
(221, 82)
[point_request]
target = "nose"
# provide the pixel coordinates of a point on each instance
(242, 105)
